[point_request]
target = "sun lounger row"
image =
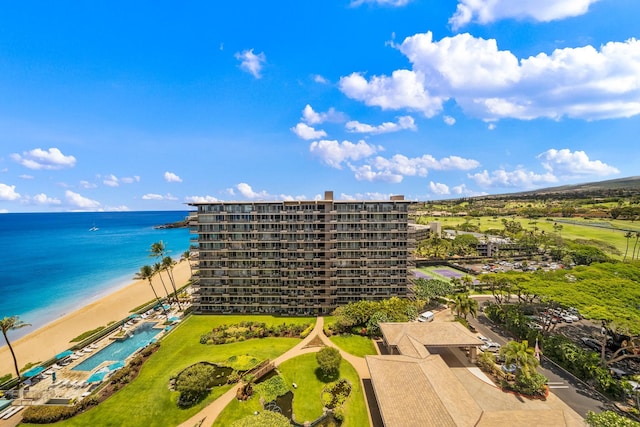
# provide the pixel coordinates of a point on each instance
(10, 412)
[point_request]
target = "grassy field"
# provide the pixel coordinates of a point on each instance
(354, 344)
(307, 403)
(147, 401)
(610, 231)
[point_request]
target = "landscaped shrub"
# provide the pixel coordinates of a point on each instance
(307, 331)
(334, 394)
(47, 414)
(225, 334)
(243, 362)
(329, 359)
(609, 419)
(194, 383)
(272, 388)
(263, 419)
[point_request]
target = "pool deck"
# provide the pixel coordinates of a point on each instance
(72, 384)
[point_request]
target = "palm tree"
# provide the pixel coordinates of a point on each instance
(637, 235)
(146, 273)
(158, 267)
(168, 264)
(520, 354)
(186, 255)
(7, 324)
(463, 305)
(627, 236)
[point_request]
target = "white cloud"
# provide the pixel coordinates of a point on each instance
(404, 89)
(449, 120)
(25, 176)
(154, 196)
(491, 126)
(111, 181)
(320, 79)
(307, 132)
(43, 199)
(566, 163)
(460, 189)
(487, 11)
(392, 3)
(365, 196)
(251, 63)
(130, 179)
(367, 173)
(419, 166)
(172, 177)
(8, 192)
(334, 153)
(87, 184)
(492, 84)
(311, 117)
(439, 188)
(79, 201)
(200, 199)
(519, 178)
(50, 159)
(245, 190)
(404, 122)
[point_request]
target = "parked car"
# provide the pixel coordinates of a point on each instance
(534, 325)
(567, 318)
(491, 346)
(427, 316)
(483, 338)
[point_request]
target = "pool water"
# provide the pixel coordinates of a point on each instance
(120, 350)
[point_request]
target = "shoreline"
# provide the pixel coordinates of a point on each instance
(54, 337)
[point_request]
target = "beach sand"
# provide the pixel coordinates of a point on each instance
(55, 337)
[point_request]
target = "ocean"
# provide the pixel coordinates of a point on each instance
(54, 263)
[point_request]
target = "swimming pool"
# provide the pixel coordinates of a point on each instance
(120, 350)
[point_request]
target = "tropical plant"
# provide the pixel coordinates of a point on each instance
(609, 419)
(427, 289)
(168, 264)
(627, 236)
(463, 305)
(186, 255)
(146, 273)
(521, 355)
(8, 324)
(329, 360)
(157, 269)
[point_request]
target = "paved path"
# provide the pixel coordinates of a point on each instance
(208, 415)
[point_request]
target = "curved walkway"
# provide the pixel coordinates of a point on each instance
(208, 415)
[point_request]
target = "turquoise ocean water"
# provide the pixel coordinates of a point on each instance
(52, 263)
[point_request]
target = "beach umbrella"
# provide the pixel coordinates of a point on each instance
(98, 376)
(64, 354)
(33, 371)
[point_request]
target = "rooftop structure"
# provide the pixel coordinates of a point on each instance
(299, 257)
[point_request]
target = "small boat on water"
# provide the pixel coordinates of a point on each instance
(94, 228)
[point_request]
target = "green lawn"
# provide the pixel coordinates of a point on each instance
(147, 401)
(307, 403)
(354, 344)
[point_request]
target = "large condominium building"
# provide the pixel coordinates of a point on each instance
(299, 257)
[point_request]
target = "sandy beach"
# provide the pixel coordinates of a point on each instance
(55, 337)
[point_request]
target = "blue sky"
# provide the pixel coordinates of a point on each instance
(151, 105)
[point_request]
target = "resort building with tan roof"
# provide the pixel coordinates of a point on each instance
(425, 380)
